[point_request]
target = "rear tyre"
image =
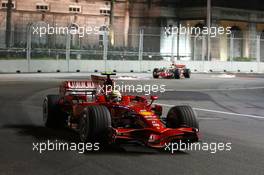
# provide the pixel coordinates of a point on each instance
(155, 73)
(177, 74)
(180, 116)
(52, 114)
(187, 73)
(95, 124)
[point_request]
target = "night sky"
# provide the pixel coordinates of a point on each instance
(242, 4)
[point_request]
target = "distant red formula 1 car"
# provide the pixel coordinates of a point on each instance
(113, 118)
(176, 71)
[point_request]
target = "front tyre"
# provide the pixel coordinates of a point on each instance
(155, 73)
(182, 116)
(187, 73)
(177, 74)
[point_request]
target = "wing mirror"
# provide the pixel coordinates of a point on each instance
(158, 110)
(153, 98)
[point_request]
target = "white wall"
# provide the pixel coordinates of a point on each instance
(9, 66)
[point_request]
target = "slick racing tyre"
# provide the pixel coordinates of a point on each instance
(155, 73)
(52, 115)
(180, 116)
(177, 74)
(187, 73)
(94, 125)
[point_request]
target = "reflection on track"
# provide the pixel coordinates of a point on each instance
(21, 124)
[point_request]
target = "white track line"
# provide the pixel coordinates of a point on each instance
(219, 112)
(222, 89)
(207, 118)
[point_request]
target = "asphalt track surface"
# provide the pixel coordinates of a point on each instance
(230, 109)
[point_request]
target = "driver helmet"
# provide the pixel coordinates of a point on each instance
(115, 96)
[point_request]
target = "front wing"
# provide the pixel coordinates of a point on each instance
(155, 139)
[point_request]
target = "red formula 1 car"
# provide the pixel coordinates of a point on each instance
(97, 117)
(176, 71)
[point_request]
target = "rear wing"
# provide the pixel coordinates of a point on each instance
(103, 81)
(78, 88)
(89, 87)
(98, 80)
(179, 66)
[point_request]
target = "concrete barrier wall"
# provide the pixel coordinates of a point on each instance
(9, 66)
